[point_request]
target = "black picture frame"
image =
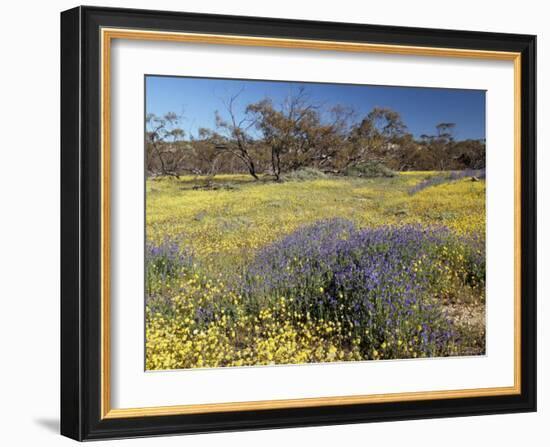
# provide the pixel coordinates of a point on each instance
(81, 209)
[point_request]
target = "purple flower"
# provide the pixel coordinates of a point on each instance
(450, 177)
(362, 278)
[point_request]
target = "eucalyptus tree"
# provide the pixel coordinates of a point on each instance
(165, 144)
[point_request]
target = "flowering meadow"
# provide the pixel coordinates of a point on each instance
(251, 272)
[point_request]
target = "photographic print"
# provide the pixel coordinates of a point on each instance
(294, 222)
(272, 223)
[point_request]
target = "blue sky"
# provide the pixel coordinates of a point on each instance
(421, 109)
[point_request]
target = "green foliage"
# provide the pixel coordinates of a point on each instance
(370, 169)
(304, 174)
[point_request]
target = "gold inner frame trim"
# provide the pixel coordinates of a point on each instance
(107, 35)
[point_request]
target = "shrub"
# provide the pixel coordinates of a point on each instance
(303, 174)
(370, 169)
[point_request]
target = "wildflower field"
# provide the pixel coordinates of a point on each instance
(244, 272)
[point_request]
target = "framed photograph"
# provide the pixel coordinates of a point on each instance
(274, 223)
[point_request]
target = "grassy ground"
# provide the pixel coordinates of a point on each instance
(226, 225)
(227, 222)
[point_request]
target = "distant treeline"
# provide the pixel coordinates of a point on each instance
(265, 138)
